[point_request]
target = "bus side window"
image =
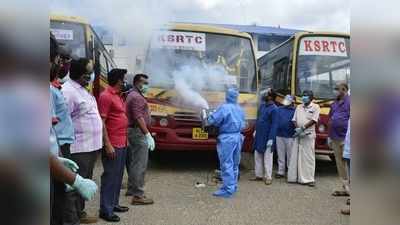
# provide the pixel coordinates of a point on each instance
(280, 76)
(103, 65)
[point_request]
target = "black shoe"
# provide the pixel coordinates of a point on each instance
(279, 176)
(109, 218)
(120, 209)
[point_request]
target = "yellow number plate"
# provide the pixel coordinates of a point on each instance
(199, 134)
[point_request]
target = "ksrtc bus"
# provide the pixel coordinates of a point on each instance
(188, 63)
(80, 37)
(314, 61)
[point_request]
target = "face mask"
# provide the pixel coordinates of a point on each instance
(88, 78)
(305, 99)
(286, 102)
(144, 89)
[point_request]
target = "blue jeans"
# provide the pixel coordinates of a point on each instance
(111, 180)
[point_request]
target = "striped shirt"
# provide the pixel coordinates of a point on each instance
(85, 117)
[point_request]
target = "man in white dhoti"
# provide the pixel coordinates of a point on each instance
(302, 161)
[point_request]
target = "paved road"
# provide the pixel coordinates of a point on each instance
(171, 179)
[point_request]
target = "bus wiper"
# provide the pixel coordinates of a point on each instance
(157, 96)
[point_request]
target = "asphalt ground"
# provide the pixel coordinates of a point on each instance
(171, 179)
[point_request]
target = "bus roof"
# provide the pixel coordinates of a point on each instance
(299, 34)
(207, 29)
(74, 19)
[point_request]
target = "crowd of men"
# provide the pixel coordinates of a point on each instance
(82, 128)
(291, 131)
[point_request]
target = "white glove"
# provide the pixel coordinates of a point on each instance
(150, 141)
(69, 164)
(86, 187)
(270, 143)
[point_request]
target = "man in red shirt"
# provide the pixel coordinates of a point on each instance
(115, 124)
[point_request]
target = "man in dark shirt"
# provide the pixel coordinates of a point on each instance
(338, 119)
(139, 139)
(284, 134)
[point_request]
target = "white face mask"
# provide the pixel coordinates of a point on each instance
(286, 102)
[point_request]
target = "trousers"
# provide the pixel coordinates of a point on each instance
(284, 149)
(302, 160)
(111, 180)
(137, 160)
(263, 164)
(337, 146)
(86, 162)
(229, 148)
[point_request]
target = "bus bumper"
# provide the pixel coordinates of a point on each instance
(168, 139)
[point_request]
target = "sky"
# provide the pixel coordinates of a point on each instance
(325, 15)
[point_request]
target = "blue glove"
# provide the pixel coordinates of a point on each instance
(86, 187)
(69, 164)
(150, 141)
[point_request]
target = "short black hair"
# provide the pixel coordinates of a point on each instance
(139, 76)
(78, 68)
(53, 47)
(115, 75)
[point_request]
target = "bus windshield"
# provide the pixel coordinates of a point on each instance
(212, 59)
(70, 34)
(323, 61)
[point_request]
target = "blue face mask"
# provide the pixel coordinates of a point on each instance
(305, 99)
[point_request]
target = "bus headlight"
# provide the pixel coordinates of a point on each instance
(321, 128)
(163, 122)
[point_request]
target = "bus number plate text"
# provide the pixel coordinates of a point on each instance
(199, 134)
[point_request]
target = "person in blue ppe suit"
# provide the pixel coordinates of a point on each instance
(230, 120)
(266, 128)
